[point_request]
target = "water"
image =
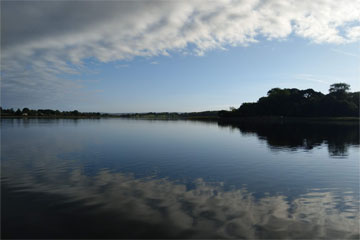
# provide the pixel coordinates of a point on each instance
(121, 178)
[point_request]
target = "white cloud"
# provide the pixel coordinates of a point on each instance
(353, 33)
(46, 39)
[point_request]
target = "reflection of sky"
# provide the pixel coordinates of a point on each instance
(206, 210)
(200, 171)
(177, 150)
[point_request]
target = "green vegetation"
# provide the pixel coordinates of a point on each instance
(301, 103)
(173, 115)
(338, 104)
(26, 112)
(48, 113)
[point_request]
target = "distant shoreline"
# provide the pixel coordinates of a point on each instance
(52, 117)
(288, 104)
(262, 119)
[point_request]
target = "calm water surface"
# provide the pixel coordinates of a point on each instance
(121, 178)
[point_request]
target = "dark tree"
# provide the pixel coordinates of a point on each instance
(339, 87)
(302, 103)
(18, 112)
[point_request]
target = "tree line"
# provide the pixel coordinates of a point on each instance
(287, 102)
(292, 102)
(47, 113)
(173, 115)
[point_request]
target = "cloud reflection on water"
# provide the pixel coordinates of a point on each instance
(79, 196)
(206, 210)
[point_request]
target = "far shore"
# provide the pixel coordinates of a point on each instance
(52, 117)
(258, 119)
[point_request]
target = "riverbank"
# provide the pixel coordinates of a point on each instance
(269, 119)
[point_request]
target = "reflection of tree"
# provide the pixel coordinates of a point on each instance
(172, 210)
(302, 135)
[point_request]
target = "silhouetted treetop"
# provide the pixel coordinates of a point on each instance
(302, 103)
(339, 87)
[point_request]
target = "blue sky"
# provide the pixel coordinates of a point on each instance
(103, 64)
(223, 78)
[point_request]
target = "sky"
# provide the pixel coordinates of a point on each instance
(171, 55)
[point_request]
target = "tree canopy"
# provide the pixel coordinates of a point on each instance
(302, 103)
(47, 113)
(339, 87)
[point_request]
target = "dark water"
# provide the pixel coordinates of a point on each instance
(119, 178)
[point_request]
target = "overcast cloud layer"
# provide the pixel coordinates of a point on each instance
(42, 40)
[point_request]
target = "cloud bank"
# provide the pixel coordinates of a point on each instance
(43, 40)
